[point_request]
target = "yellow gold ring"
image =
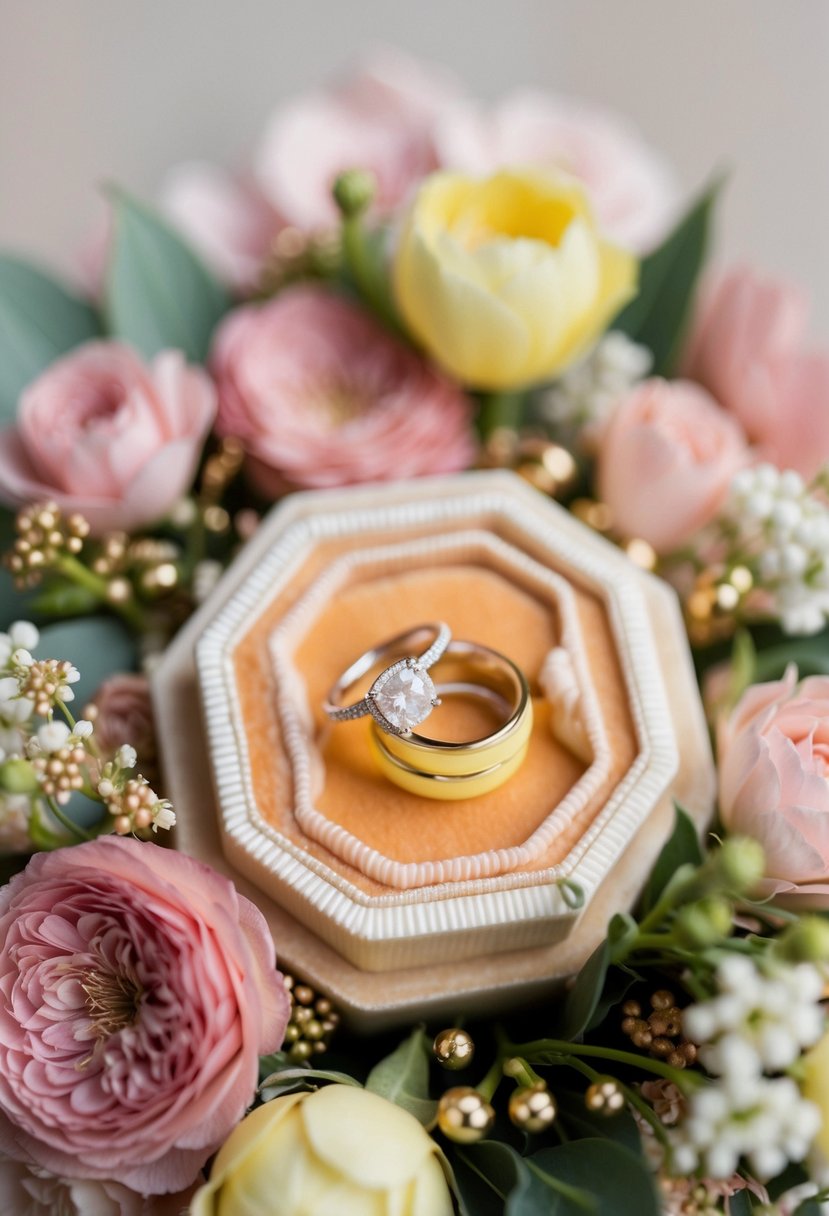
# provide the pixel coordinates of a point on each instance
(437, 768)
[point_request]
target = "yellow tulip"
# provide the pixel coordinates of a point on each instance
(337, 1151)
(506, 280)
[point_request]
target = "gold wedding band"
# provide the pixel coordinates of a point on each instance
(446, 770)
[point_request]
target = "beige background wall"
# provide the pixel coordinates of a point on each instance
(97, 89)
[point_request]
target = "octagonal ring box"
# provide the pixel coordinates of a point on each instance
(401, 906)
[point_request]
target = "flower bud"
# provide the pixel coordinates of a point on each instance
(354, 191)
(806, 941)
(741, 862)
(18, 777)
(703, 923)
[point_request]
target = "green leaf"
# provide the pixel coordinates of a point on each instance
(403, 1077)
(616, 1179)
(98, 646)
(740, 1204)
(507, 1176)
(682, 847)
(583, 997)
(811, 656)
(159, 295)
(39, 321)
(659, 314)
(286, 1080)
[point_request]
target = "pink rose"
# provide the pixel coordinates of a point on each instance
(381, 120)
(321, 395)
(105, 434)
(137, 991)
(666, 460)
(629, 184)
(30, 1190)
(774, 786)
(224, 218)
(748, 348)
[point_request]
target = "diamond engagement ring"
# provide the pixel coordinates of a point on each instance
(403, 695)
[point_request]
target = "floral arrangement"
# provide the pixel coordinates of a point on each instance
(402, 283)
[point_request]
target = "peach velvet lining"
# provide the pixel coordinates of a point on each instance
(478, 603)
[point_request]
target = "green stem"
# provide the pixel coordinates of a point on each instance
(66, 822)
(78, 573)
(363, 264)
(631, 1097)
(491, 1081)
(500, 410)
(540, 1050)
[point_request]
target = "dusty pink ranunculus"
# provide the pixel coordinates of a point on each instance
(321, 395)
(225, 218)
(629, 184)
(103, 433)
(379, 119)
(666, 460)
(774, 782)
(748, 348)
(137, 991)
(124, 714)
(27, 1190)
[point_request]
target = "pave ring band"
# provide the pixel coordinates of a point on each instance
(434, 768)
(403, 695)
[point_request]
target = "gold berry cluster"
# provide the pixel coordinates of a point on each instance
(60, 772)
(660, 1033)
(545, 465)
(312, 1023)
(43, 534)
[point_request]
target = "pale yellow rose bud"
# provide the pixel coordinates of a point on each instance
(335, 1151)
(815, 1087)
(506, 280)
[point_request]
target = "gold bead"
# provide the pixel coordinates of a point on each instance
(304, 994)
(314, 1030)
(604, 1097)
(216, 519)
(119, 591)
(663, 998)
(632, 1009)
(453, 1048)
(292, 1032)
(641, 553)
(301, 1051)
(323, 1006)
(532, 1108)
(464, 1115)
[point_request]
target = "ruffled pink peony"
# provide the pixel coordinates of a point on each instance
(105, 434)
(748, 349)
(321, 395)
(26, 1190)
(629, 184)
(137, 990)
(666, 460)
(225, 219)
(774, 782)
(381, 119)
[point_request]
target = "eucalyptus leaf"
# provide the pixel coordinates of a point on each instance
(159, 294)
(39, 321)
(403, 1077)
(616, 1179)
(506, 1174)
(98, 646)
(583, 998)
(658, 316)
(681, 848)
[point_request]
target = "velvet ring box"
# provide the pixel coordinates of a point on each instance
(397, 905)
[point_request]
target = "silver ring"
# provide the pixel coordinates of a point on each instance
(403, 695)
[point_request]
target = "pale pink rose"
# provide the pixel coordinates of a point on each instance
(27, 1190)
(666, 460)
(774, 782)
(103, 433)
(321, 395)
(137, 991)
(224, 218)
(629, 183)
(124, 714)
(380, 119)
(748, 348)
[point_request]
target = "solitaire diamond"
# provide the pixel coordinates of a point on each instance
(404, 695)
